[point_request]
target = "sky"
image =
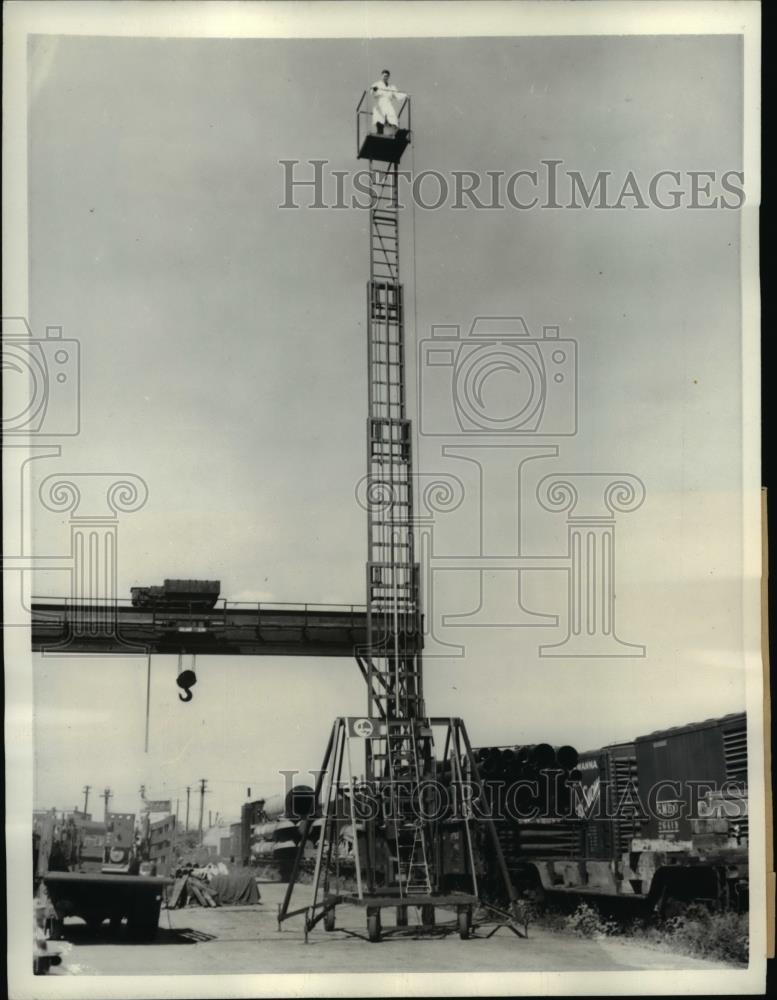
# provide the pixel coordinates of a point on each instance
(223, 361)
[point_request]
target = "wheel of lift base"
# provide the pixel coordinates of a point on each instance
(373, 926)
(401, 916)
(329, 920)
(465, 922)
(55, 928)
(427, 915)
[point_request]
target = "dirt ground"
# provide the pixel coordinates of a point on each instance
(246, 940)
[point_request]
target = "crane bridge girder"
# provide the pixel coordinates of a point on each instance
(60, 626)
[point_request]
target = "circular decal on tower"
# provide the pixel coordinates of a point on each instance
(363, 728)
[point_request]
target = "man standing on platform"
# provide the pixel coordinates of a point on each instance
(384, 96)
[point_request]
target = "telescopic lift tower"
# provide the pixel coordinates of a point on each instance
(409, 849)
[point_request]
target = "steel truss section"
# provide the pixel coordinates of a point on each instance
(359, 842)
(392, 658)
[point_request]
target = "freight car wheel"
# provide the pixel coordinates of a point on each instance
(373, 925)
(329, 920)
(672, 907)
(668, 904)
(465, 922)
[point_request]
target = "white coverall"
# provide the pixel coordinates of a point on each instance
(384, 110)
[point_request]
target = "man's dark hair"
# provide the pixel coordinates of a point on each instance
(385, 71)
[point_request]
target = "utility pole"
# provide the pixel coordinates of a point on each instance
(203, 782)
(210, 818)
(188, 793)
(86, 797)
(107, 794)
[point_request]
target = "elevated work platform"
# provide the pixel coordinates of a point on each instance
(386, 146)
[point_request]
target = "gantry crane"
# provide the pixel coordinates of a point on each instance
(408, 848)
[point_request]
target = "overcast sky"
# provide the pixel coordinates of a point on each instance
(223, 347)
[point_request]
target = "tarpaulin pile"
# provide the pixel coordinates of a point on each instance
(234, 888)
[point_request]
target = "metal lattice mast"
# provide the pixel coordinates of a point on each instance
(399, 854)
(393, 612)
(393, 668)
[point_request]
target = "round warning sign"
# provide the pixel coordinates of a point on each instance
(363, 728)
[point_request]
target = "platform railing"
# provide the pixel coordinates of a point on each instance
(365, 128)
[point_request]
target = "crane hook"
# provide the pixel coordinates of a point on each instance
(185, 680)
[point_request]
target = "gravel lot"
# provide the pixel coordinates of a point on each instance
(246, 940)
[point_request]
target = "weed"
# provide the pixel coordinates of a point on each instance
(587, 922)
(706, 934)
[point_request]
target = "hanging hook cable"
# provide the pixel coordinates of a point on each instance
(148, 696)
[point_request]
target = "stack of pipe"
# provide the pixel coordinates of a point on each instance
(550, 832)
(543, 797)
(544, 772)
(277, 836)
(296, 804)
(524, 762)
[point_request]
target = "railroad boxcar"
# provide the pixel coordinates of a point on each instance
(661, 820)
(607, 801)
(679, 767)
